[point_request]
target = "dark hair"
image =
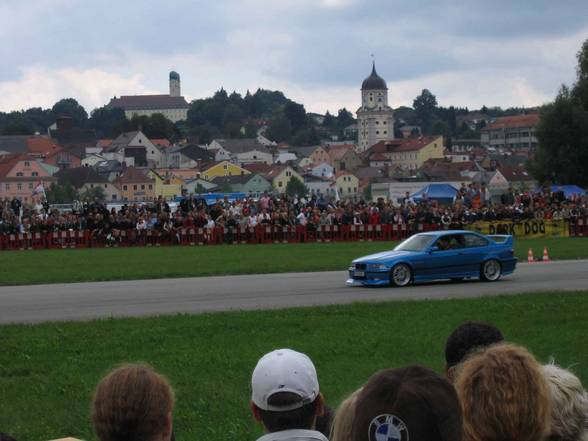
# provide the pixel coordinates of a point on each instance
(6, 437)
(468, 336)
(301, 418)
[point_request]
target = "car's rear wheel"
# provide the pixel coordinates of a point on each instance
(400, 275)
(491, 270)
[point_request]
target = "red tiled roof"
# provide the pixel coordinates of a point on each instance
(7, 162)
(515, 173)
(401, 145)
(274, 171)
(41, 145)
(162, 142)
(104, 143)
(257, 168)
(511, 122)
(338, 151)
(132, 175)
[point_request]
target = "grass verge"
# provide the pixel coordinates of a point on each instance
(48, 372)
(87, 265)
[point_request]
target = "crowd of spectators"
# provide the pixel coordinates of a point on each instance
(472, 203)
(491, 390)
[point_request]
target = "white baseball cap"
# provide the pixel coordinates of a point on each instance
(284, 370)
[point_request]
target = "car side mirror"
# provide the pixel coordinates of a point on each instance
(433, 249)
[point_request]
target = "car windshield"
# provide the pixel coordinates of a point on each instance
(418, 242)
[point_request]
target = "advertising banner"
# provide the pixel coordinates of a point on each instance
(531, 228)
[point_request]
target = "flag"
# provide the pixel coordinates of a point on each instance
(337, 196)
(39, 190)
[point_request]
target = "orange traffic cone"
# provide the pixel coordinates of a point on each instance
(545, 255)
(530, 258)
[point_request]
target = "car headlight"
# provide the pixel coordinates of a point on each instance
(377, 267)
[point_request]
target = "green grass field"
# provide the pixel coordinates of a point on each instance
(55, 266)
(48, 372)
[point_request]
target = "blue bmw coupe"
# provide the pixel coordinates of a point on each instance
(437, 255)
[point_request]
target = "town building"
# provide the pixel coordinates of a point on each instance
(20, 174)
(254, 183)
(211, 170)
(375, 119)
(280, 175)
(406, 154)
(173, 106)
(347, 184)
(135, 185)
(511, 132)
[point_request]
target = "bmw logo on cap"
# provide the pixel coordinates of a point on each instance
(387, 428)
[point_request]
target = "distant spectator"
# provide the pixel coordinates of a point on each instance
(569, 405)
(411, 403)
(504, 396)
(465, 338)
(285, 397)
(133, 403)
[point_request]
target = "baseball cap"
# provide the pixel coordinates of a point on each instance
(284, 370)
(407, 403)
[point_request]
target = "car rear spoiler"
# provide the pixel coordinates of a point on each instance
(504, 239)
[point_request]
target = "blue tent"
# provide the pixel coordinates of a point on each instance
(569, 190)
(442, 193)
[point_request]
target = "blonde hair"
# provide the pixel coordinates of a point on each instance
(569, 404)
(344, 418)
(503, 396)
(131, 403)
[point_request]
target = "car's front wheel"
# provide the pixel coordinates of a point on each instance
(400, 275)
(491, 270)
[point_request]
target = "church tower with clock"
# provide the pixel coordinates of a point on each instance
(375, 119)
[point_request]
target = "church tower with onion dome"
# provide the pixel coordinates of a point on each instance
(375, 119)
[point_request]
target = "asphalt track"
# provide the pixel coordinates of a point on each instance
(85, 301)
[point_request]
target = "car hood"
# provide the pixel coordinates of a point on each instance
(378, 257)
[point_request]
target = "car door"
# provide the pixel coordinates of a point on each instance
(445, 262)
(476, 248)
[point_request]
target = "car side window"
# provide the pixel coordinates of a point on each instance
(450, 242)
(473, 241)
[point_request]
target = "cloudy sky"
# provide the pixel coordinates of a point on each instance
(468, 53)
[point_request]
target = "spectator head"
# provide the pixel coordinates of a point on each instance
(464, 339)
(411, 403)
(285, 391)
(569, 405)
(344, 418)
(133, 403)
(504, 396)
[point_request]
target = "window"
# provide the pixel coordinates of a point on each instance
(35, 174)
(348, 189)
(150, 186)
(113, 197)
(19, 174)
(385, 122)
(279, 183)
(27, 164)
(473, 241)
(377, 122)
(7, 186)
(385, 132)
(19, 186)
(91, 185)
(30, 186)
(142, 187)
(105, 185)
(134, 187)
(124, 187)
